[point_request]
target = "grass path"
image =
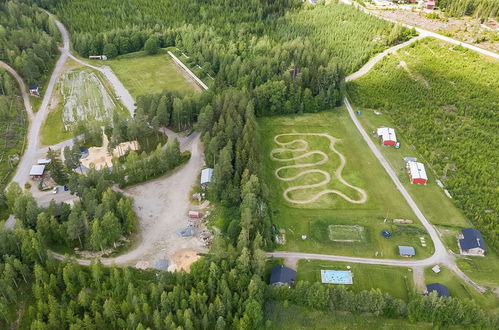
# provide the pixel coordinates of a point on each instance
(325, 158)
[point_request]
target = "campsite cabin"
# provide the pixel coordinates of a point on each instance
(442, 290)
(417, 172)
(430, 4)
(406, 251)
(34, 90)
(282, 276)
(471, 243)
(206, 175)
(387, 136)
(37, 171)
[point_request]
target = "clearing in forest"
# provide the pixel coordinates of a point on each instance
(295, 167)
(142, 74)
(300, 149)
(85, 97)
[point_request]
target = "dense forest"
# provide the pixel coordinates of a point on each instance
(447, 106)
(27, 40)
(477, 8)
(13, 125)
(259, 70)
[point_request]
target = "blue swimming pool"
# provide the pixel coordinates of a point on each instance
(336, 276)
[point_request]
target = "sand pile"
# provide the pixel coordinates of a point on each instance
(101, 158)
(183, 259)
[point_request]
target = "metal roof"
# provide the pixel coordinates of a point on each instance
(37, 170)
(417, 170)
(206, 175)
(472, 238)
(387, 134)
(406, 250)
(282, 274)
(442, 290)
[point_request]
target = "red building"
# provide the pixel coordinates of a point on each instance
(387, 136)
(430, 4)
(417, 172)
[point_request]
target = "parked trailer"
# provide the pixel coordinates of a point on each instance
(97, 57)
(195, 215)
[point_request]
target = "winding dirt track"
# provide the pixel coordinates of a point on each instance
(327, 177)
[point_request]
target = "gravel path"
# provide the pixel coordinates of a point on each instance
(327, 176)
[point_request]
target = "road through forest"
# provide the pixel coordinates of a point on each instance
(440, 256)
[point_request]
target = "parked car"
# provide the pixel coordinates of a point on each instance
(55, 190)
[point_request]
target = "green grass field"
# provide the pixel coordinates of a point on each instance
(83, 94)
(431, 199)
(485, 270)
(442, 99)
(142, 74)
(288, 316)
(459, 289)
(397, 281)
(361, 170)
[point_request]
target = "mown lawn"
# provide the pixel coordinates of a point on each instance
(142, 74)
(397, 281)
(485, 270)
(431, 199)
(362, 170)
(458, 289)
(288, 316)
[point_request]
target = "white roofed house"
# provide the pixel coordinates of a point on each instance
(37, 171)
(387, 136)
(417, 172)
(206, 176)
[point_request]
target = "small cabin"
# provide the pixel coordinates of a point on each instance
(471, 243)
(440, 289)
(206, 175)
(282, 276)
(37, 171)
(430, 4)
(34, 90)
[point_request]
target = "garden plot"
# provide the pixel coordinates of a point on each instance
(85, 98)
(343, 233)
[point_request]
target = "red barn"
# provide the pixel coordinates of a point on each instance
(417, 172)
(387, 136)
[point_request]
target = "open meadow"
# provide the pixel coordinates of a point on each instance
(327, 185)
(397, 281)
(81, 94)
(142, 74)
(442, 99)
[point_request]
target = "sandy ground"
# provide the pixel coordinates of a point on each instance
(466, 29)
(101, 158)
(304, 149)
(161, 206)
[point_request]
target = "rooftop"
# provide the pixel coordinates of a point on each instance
(442, 290)
(282, 274)
(472, 238)
(387, 134)
(417, 170)
(206, 175)
(37, 170)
